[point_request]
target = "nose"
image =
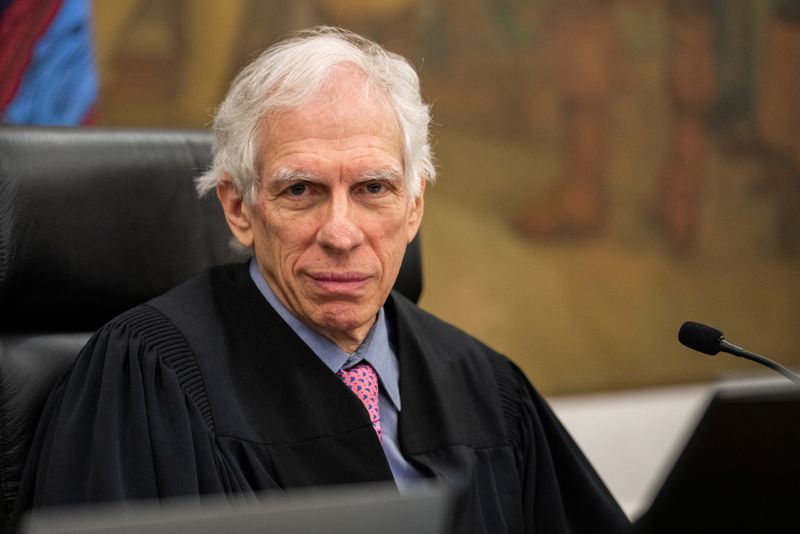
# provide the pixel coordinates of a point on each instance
(339, 230)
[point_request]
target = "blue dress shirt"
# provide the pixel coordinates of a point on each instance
(378, 351)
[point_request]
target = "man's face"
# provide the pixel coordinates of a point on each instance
(332, 217)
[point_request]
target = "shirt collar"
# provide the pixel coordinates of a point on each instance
(376, 348)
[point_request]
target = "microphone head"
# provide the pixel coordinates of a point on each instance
(700, 337)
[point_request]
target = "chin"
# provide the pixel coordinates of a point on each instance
(344, 317)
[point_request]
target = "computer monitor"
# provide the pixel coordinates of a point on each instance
(358, 509)
(739, 470)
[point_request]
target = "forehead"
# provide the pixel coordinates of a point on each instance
(346, 115)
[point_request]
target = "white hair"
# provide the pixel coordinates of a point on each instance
(289, 74)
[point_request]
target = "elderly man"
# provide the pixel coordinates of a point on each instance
(243, 378)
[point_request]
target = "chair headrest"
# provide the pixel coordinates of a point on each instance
(94, 221)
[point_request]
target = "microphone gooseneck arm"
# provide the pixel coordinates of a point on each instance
(730, 348)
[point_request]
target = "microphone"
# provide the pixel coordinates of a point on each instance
(710, 341)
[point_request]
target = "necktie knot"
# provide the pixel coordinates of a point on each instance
(363, 382)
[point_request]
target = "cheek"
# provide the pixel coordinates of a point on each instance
(389, 243)
(283, 242)
(292, 241)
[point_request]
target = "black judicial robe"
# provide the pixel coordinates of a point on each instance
(206, 390)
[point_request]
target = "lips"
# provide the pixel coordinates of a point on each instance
(344, 283)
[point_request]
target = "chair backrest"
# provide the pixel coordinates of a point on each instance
(92, 222)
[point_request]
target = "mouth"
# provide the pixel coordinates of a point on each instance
(343, 284)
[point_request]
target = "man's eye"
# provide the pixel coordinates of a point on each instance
(375, 187)
(297, 189)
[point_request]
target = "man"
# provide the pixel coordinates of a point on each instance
(240, 380)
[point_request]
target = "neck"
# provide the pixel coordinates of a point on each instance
(349, 340)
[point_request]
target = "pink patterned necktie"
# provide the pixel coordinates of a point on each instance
(363, 381)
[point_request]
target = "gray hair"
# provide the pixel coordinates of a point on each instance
(290, 73)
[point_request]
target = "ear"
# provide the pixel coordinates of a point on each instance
(415, 211)
(238, 215)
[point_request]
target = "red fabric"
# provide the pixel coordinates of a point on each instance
(91, 116)
(22, 24)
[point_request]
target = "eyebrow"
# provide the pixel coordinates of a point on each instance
(386, 174)
(287, 174)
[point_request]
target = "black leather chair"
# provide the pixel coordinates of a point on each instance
(93, 222)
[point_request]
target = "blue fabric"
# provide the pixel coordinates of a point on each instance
(378, 351)
(60, 85)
